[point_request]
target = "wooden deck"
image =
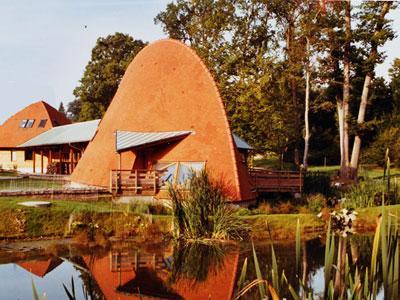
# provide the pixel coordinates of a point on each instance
(146, 182)
(149, 182)
(264, 180)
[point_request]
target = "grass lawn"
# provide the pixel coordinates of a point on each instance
(367, 171)
(19, 222)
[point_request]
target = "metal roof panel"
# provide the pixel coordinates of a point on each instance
(67, 134)
(130, 139)
(240, 143)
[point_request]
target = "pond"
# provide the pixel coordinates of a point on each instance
(130, 270)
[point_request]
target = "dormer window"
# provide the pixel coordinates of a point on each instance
(42, 123)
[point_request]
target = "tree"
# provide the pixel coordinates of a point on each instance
(374, 32)
(238, 43)
(61, 109)
(109, 60)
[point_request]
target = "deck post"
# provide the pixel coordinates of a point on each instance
(50, 157)
(111, 181)
(71, 161)
(34, 161)
(41, 161)
(155, 181)
(136, 181)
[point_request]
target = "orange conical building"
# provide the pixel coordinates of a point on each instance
(167, 115)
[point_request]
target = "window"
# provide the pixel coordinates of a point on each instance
(28, 155)
(23, 123)
(26, 123)
(186, 170)
(42, 123)
(29, 124)
(178, 172)
(13, 155)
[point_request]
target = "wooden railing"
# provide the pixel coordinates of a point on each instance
(276, 181)
(136, 181)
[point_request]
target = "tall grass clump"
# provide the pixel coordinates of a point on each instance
(372, 192)
(200, 210)
(342, 279)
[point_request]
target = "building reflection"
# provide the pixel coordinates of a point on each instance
(140, 274)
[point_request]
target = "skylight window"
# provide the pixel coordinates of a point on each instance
(30, 123)
(23, 123)
(26, 123)
(42, 123)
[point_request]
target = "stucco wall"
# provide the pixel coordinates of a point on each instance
(25, 166)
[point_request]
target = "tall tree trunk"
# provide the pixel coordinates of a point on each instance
(293, 88)
(344, 166)
(306, 109)
(355, 155)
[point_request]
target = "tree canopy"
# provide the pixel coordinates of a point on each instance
(103, 73)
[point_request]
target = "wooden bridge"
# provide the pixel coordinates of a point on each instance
(149, 182)
(272, 181)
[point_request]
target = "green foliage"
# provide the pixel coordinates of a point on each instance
(316, 202)
(200, 210)
(351, 284)
(317, 182)
(389, 138)
(110, 58)
(369, 193)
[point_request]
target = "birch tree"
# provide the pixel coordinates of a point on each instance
(374, 31)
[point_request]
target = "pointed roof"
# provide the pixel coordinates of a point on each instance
(12, 133)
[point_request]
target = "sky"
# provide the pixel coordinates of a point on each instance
(46, 44)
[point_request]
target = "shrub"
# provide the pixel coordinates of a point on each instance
(285, 208)
(387, 139)
(316, 202)
(265, 208)
(317, 182)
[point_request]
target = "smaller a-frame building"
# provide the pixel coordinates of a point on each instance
(26, 124)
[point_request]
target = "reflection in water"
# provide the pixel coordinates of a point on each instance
(167, 271)
(126, 271)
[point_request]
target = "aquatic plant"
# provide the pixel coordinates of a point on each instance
(371, 192)
(200, 210)
(342, 280)
(35, 293)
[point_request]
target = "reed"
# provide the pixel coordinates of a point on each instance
(200, 210)
(347, 283)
